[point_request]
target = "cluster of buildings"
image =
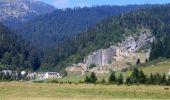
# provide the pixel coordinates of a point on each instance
(33, 75)
(44, 75)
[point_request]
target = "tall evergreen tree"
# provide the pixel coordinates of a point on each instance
(93, 77)
(142, 77)
(120, 79)
(112, 78)
(138, 61)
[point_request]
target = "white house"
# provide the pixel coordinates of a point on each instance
(41, 75)
(31, 76)
(52, 75)
(7, 71)
(169, 72)
(23, 73)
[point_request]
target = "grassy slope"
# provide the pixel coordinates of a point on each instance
(49, 91)
(157, 66)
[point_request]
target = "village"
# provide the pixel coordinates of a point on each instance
(24, 75)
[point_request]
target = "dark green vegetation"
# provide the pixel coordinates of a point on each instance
(137, 77)
(15, 53)
(111, 31)
(48, 30)
(91, 79)
(70, 45)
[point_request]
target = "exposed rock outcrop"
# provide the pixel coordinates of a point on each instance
(116, 57)
(121, 50)
(101, 57)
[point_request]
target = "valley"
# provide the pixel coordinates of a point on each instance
(97, 52)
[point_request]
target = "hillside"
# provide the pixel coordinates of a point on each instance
(15, 12)
(15, 53)
(112, 31)
(47, 31)
(156, 66)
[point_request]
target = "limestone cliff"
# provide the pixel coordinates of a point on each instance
(116, 57)
(121, 50)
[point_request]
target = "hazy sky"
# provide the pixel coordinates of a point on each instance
(75, 3)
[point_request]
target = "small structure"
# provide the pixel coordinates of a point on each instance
(23, 73)
(52, 75)
(7, 72)
(169, 72)
(31, 76)
(47, 75)
(41, 76)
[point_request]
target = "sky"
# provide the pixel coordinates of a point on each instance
(81, 3)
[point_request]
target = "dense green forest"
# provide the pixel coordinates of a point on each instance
(112, 30)
(47, 31)
(15, 53)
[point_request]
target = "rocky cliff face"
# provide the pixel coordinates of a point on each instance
(15, 11)
(116, 57)
(101, 57)
(121, 50)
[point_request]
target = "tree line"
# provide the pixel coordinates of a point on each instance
(137, 77)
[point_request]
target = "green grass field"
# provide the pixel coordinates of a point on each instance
(80, 91)
(53, 91)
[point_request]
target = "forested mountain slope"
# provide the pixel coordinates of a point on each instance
(15, 53)
(112, 30)
(60, 25)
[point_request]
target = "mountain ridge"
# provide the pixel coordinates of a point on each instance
(19, 11)
(63, 24)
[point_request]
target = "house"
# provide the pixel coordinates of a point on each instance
(23, 73)
(52, 75)
(40, 76)
(31, 76)
(169, 72)
(7, 72)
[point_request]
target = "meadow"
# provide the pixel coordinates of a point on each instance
(56, 91)
(73, 90)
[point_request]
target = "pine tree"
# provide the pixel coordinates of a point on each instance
(163, 79)
(120, 79)
(142, 77)
(138, 61)
(93, 77)
(157, 78)
(151, 79)
(169, 80)
(135, 76)
(128, 80)
(103, 80)
(112, 78)
(87, 79)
